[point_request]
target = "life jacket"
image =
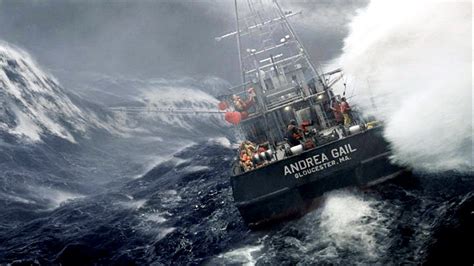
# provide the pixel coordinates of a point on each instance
(345, 108)
(243, 106)
(239, 105)
(337, 111)
(244, 157)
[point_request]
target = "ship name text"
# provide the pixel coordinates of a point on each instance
(320, 161)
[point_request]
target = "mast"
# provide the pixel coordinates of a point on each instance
(238, 42)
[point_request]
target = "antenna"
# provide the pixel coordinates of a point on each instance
(238, 42)
(292, 32)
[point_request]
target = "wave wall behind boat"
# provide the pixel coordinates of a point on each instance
(409, 63)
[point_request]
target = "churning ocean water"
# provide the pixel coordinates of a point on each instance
(182, 212)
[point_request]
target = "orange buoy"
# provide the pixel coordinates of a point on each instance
(233, 117)
(223, 105)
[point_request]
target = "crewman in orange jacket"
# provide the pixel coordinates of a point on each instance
(345, 111)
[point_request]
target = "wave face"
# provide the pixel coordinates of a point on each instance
(33, 104)
(57, 147)
(410, 64)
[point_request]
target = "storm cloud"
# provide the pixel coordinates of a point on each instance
(148, 39)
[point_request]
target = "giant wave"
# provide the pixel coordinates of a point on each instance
(410, 64)
(33, 104)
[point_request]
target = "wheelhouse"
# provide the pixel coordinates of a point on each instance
(279, 81)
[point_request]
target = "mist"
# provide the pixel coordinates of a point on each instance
(410, 65)
(150, 39)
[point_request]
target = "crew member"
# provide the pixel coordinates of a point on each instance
(345, 110)
(247, 150)
(239, 104)
(246, 161)
(293, 134)
(336, 108)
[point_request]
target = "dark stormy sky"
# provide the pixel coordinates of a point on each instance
(148, 39)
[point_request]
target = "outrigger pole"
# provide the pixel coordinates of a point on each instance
(256, 25)
(167, 110)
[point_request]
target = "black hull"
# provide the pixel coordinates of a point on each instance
(290, 187)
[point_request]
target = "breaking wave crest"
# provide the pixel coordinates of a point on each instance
(410, 64)
(166, 104)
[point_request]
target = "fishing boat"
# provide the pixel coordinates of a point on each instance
(272, 178)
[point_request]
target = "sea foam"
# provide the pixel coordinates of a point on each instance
(410, 63)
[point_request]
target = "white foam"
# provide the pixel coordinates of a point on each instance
(26, 127)
(134, 204)
(155, 217)
(414, 58)
(196, 168)
(223, 141)
(170, 197)
(172, 95)
(350, 222)
(17, 198)
(177, 96)
(150, 162)
(247, 255)
(165, 231)
(153, 224)
(55, 197)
